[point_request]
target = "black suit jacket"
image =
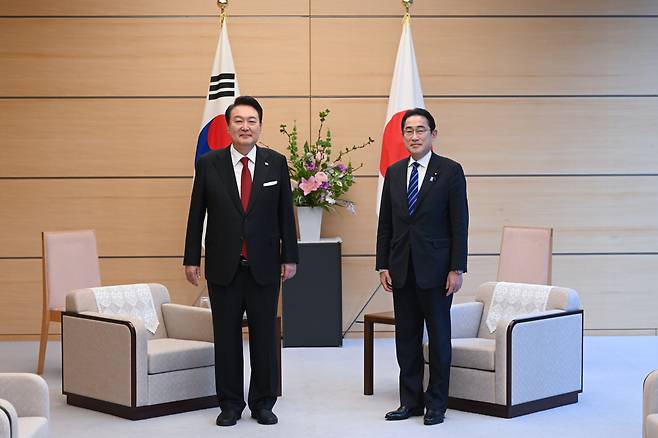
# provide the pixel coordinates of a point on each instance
(268, 224)
(435, 236)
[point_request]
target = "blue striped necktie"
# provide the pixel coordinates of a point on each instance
(412, 191)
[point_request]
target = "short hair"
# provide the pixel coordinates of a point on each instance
(245, 101)
(419, 112)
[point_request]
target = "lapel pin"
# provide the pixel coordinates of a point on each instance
(267, 164)
(433, 177)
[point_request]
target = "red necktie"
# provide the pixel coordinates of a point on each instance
(245, 193)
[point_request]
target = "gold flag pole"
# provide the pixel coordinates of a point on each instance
(222, 4)
(407, 5)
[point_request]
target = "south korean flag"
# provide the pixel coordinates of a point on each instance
(222, 91)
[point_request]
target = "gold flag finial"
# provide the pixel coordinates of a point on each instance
(223, 4)
(407, 5)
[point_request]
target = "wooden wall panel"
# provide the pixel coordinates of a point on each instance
(21, 297)
(616, 291)
(20, 282)
(324, 7)
(152, 7)
(485, 7)
(481, 56)
(520, 88)
(117, 137)
(589, 214)
(147, 57)
(135, 217)
(121, 137)
(515, 136)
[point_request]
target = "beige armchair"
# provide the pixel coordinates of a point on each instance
(24, 406)
(114, 365)
(530, 363)
(650, 406)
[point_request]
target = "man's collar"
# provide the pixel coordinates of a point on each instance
(237, 156)
(424, 161)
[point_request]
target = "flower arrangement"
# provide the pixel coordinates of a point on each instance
(318, 180)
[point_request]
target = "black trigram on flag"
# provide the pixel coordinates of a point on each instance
(222, 85)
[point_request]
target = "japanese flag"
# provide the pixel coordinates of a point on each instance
(406, 93)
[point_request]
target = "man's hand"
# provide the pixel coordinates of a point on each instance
(385, 280)
(288, 270)
(193, 273)
(454, 282)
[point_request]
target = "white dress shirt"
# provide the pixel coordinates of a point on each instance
(237, 165)
(422, 169)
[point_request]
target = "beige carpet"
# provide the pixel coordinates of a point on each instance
(323, 397)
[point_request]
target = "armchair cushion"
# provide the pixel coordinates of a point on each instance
(25, 399)
(187, 322)
(28, 393)
(475, 353)
(560, 298)
(168, 354)
(652, 426)
(33, 427)
(83, 300)
(8, 420)
(465, 319)
(650, 405)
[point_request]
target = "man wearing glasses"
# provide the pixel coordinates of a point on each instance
(421, 255)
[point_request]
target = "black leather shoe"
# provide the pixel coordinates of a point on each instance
(228, 418)
(433, 416)
(404, 412)
(264, 416)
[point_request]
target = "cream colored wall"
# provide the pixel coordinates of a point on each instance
(549, 105)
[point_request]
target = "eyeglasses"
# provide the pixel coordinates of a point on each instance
(421, 130)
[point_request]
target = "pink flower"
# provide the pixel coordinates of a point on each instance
(321, 177)
(309, 185)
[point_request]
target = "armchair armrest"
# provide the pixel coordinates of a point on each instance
(539, 355)
(650, 404)
(188, 322)
(105, 358)
(8, 420)
(465, 319)
(28, 393)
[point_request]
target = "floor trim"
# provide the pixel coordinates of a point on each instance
(503, 411)
(142, 412)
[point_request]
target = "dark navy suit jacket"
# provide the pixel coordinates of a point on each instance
(435, 236)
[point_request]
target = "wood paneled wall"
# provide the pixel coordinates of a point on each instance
(550, 106)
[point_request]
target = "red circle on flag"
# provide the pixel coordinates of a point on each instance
(218, 137)
(393, 148)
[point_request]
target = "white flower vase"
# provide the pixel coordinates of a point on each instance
(310, 222)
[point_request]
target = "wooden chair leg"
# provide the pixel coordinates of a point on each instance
(43, 341)
(368, 362)
(278, 338)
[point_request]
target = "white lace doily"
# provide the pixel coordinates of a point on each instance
(133, 300)
(511, 299)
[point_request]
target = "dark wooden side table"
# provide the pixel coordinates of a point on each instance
(369, 321)
(312, 301)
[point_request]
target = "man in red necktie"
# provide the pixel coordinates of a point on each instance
(251, 244)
